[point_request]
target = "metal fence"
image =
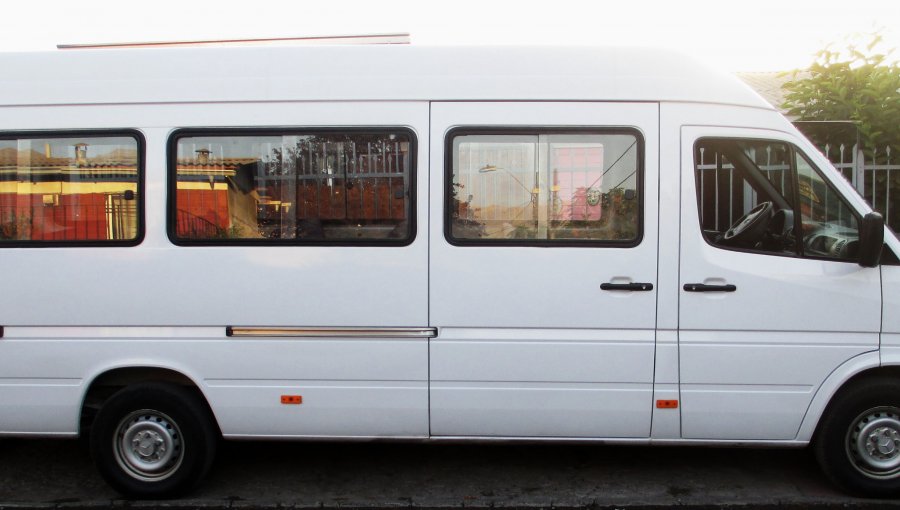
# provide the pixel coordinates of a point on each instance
(876, 176)
(874, 173)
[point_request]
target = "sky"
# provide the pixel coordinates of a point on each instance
(748, 35)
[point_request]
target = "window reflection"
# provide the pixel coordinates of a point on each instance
(819, 202)
(299, 187)
(68, 189)
(545, 187)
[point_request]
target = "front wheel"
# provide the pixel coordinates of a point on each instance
(858, 444)
(153, 440)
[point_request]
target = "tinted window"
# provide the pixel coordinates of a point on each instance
(298, 187)
(69, 189)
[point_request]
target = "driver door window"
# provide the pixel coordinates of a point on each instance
(764, 196)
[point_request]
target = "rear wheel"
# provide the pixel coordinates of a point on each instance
(153, 440)
(858, 444)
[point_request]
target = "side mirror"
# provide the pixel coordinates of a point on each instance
(871, 239)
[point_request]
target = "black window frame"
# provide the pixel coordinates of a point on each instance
(794, 152)
(140, 195)
(537, 131)
(172, 183)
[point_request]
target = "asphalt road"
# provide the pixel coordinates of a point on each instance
(59, 474)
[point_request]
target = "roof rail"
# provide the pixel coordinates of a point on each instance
(397, 38)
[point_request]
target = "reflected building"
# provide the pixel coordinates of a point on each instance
(69, 189)
(293, 187)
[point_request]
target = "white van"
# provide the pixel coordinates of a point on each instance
(427, 243)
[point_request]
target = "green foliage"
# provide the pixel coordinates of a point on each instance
(860, 83)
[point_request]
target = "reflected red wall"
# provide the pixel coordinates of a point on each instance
(71, 218)
(209, 205)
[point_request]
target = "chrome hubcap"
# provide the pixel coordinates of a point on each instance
(874, 442)
(882, 442)
(148, 445)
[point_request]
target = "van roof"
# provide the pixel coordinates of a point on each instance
(364, 73)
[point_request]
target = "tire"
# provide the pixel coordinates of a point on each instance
(858, 441)
(153, 440)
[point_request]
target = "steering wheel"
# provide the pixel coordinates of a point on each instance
(750, 227)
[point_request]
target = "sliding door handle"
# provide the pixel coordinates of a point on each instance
(702, 287)
(626, 286)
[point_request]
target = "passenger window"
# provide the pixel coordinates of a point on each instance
(70, 189)
(765, 196)
(544, 188)
(297, 187)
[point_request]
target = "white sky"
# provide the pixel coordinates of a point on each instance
(747, 35)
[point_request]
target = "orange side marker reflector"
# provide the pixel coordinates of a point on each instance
(667, 404)
(292, 399)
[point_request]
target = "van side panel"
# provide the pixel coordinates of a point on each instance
(159, 284)
(529, 344)
(71, 314)
(243, 379)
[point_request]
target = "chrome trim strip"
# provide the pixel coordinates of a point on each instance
(233, 331)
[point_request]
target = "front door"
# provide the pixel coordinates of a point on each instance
(543, 269)
(771, 297)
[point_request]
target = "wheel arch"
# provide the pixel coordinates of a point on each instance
(855, 371)
(108, 381)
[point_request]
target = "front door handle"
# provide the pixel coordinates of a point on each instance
(702, 287)
(626, 286)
